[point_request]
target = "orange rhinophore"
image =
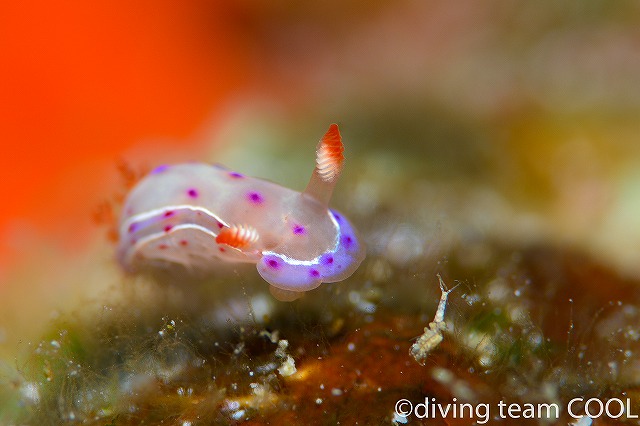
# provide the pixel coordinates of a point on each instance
(329, 155)
(329, 164)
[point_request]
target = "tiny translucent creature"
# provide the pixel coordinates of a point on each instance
(432, 335)
(199, 215)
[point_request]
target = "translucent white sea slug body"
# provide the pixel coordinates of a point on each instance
(198, 215)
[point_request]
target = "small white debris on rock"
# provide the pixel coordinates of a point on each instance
(272, 336)
(442, 375)
(283, 345)
(583, 421)
(399, 420)
(288, 367)
(238, 415)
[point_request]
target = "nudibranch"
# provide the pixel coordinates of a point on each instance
(198, 215)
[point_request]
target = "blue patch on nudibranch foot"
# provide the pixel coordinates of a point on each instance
(285, 274)
(341, 262)
(302, 275)
(346, 241)
(326, 259)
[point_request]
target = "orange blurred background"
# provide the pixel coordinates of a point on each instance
(80, 82)
(543, 98)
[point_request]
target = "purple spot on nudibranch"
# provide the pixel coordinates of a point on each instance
(326, 259)
(255, 197)
(169, 213)
(336, 216)
(236, 175)
(272, 263)
(298, 229)
(347, 241)
(314, 273)
(193, 193)
(168, 228)
(160, 169)
(133, 227)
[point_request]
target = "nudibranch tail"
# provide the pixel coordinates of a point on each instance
(329, 164)
(238, 236)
